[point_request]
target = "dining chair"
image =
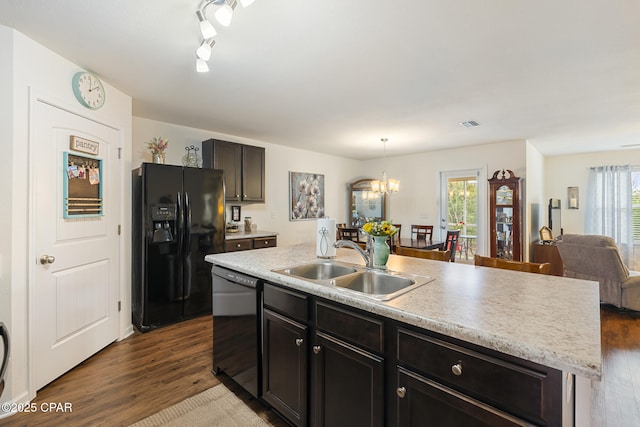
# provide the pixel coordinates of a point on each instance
(395, 240)
(451, 243)
(425, 253)
(349, 233)
(338, 227)
(529, 267)
(422, 232)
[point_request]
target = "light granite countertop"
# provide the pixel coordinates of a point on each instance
(550, 320)
(249, 235)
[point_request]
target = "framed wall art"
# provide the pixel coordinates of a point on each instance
(306, 196)
(572, 197)
(235, 213)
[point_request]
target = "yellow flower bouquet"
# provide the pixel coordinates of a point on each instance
(382, 228)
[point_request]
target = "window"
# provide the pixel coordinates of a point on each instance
(613, 208)
(462, 207)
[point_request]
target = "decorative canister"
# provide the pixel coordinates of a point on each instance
(158, 158)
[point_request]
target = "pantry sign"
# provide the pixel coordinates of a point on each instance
(84, 145)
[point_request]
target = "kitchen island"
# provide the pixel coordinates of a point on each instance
(547, 320)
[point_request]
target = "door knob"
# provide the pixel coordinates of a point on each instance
(47, 259)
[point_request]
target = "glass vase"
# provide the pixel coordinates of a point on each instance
(380, 252)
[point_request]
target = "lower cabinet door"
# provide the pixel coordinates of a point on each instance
(347, 386)
(284, 366)
(423, 402)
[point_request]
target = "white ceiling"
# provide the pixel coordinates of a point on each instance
(335, 76)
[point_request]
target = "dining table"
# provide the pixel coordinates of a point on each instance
(421, 244)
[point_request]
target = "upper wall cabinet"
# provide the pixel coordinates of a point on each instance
(243, 167)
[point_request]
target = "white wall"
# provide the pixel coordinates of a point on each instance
(273, 215)
(573, 171)
(6, 190)
(536, 206)
(37, 70)
(418, 201)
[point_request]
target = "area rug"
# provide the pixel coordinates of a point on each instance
(216, 406)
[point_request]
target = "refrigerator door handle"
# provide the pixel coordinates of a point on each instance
(179, 223)
(187, 223)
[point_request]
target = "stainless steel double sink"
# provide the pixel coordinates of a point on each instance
(381, 285)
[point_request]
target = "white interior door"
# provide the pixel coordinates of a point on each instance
(75, 291)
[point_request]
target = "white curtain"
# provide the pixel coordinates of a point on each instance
(609, 208)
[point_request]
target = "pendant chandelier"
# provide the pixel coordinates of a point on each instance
(385, 185)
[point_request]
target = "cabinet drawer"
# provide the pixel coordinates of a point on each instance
(264, 242)
(364, 331)
(523, 389)
(238, 245)
(284, 301)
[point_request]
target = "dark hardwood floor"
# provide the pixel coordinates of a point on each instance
(139, 376)
(616, 398)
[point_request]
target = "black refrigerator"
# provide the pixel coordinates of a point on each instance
(178, 219)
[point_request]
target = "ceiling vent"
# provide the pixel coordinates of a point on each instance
(470, 124)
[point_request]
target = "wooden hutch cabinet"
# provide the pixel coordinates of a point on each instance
(505, 216)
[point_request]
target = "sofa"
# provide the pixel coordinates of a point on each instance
(594, 257)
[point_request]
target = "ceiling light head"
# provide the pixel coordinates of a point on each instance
(206, 28)
(202, 66)
(204, 51)
(246, 3)
(225, 12)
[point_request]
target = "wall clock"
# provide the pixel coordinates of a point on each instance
(88, 90)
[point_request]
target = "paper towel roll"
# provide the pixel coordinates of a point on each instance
(325, 238)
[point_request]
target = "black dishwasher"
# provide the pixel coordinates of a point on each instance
(236, 326)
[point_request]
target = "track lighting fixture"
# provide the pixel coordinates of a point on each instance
(202, 66)
(206, 28)
(225, 12)
(204, 51)
(223, 15)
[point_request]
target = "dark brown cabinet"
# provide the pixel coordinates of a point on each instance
(284, 353)
(243, 167)
(423, 402)
(505, 216)
(232, 245)
(343, 359)
(327, 364)
(549, 253)
(348, 368)
(458, 384)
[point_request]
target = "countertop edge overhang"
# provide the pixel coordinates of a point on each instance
(550, 320)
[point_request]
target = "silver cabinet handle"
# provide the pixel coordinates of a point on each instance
(47, 259)
(401, 391)
(457, 369)
(316, 349)
(299, 341)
